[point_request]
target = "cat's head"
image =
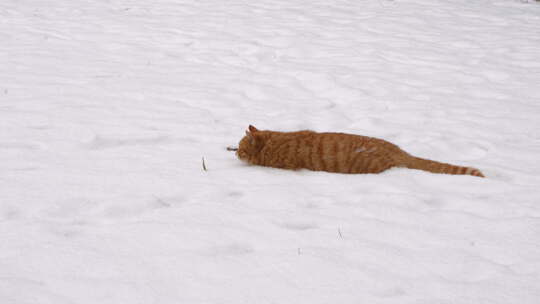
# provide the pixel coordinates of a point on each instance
(250, 144)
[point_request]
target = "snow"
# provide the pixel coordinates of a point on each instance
(108, 107)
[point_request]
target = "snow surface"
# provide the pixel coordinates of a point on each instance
(108, 107)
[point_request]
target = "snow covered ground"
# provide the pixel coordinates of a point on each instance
(108, 107)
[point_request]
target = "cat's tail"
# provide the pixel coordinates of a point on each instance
(438, 167)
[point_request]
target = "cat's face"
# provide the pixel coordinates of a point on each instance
(244, 148)
(249, 145)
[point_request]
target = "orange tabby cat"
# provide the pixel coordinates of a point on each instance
(333, 152)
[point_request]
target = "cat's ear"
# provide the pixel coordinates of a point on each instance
(253, 137)
(253, 129)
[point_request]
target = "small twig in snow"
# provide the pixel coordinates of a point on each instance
(204, 165)
(339, 232)
(161, 202)
(232, 149)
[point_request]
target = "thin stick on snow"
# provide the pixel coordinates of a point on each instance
(232, 149)
(161, 202)
(204, 165)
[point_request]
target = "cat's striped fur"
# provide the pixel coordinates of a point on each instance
(333, 152)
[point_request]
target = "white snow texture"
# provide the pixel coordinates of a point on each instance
(107, 109)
